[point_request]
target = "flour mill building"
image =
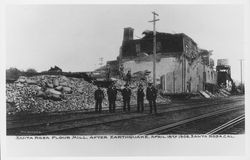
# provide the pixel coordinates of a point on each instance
(180, 65)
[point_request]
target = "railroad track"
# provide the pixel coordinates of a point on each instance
(72, 123)
(227, 125)
(52, 119)
(165, 128)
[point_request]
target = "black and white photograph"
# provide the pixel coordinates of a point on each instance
(126, 71)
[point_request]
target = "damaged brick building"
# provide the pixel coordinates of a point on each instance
(181, 67)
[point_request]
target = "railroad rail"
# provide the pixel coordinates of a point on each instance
(228, 124)
(57, 124)
(173, 125)
(43, 120)
(76, 122)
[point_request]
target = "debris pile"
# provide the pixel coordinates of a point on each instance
(220, 93)
(50, 94)
(56, 93)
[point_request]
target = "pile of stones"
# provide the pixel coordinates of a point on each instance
(49, 94)
(56, 93)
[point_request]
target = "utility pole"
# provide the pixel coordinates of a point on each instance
(154, 45)
(241, 86)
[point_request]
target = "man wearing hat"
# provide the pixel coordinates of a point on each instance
(140, 98)
(128, 77)
(126, 93)
(112, 93)
(99, 95)
(151, 95)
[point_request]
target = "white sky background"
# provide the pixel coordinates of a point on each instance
(73, 37)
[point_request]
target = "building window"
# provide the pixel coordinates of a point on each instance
(186, 48)
(163, 87)
(204, 76)
(138, 48)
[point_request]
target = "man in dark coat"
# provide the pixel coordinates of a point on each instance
(151, 95)
(112, 93)
(128, 77)
(140, 99)
(99, 95)
(121, 70)
(126, 93)
(108, 72)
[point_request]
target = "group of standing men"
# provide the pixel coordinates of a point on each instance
(151, 95)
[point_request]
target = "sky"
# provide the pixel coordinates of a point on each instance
(75, 37)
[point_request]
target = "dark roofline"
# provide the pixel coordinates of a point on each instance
(181, 34)
(189, 38)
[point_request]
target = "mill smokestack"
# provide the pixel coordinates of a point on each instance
(128, 34)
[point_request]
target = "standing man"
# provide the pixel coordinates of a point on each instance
(151, 95)
(121, 70)
(128, 77)
(126, 93)
(112, 93)
(140, 99)
(99, 95)
(108, 72)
